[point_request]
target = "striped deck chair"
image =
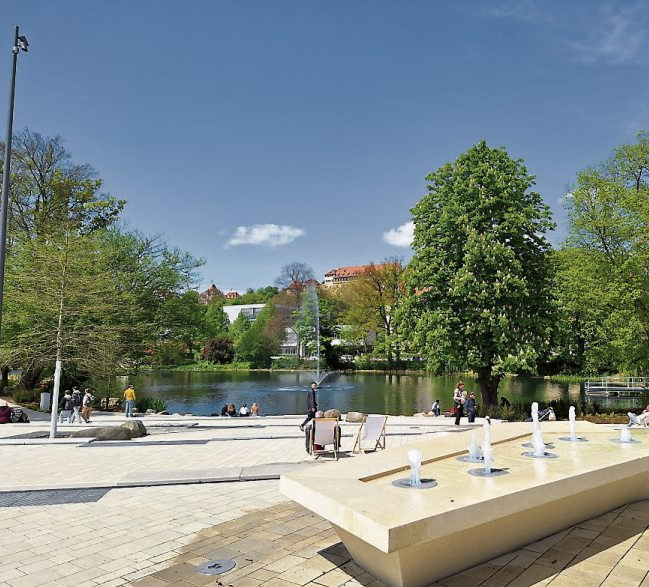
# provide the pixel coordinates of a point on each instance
(323, 435)
(371, 434)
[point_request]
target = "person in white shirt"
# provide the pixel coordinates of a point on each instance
(244, 411)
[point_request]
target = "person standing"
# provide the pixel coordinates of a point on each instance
(458, 401)
(471, 407)
(311, 405)
(129, 397)
(77, 403)
(88, 398)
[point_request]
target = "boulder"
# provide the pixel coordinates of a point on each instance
(103, 433)
(355, 417)
(150, 411)
(136, 427)
(333, 414)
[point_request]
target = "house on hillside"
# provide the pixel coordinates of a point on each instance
(210, 294)
(232, 295)
(346, 274)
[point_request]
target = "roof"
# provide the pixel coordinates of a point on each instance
(351, 271)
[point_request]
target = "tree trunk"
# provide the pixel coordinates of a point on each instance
(488, 386)
(4, 381)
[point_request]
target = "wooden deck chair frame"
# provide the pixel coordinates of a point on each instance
(324, 449)
(379, 442)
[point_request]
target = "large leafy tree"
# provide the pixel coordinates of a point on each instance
(480, 279)
(608, 249)
(373, 302)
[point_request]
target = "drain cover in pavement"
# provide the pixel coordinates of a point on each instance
(216, 567)
(18, 499)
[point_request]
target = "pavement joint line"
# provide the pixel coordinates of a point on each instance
(243, 476)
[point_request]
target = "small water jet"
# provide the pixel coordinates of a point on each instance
(415, 481)
(625, 437)
(487, 455)
(475, 454)
(573, 428)
(537, 438)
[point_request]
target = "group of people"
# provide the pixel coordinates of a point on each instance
(462, 400)
(244, 411)
(75, 407)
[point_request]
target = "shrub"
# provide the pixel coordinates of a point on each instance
(25, 396)
(144, 403)
(219, 350)
(285, 363)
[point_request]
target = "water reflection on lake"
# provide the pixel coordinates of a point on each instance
(203, 393)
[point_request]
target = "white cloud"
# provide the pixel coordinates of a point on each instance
(619, 38)
(402, 236)
(270, 235)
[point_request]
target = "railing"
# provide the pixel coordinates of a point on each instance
(617, 385)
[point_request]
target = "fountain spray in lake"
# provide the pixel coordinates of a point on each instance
(309, 318)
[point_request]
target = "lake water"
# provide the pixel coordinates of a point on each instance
(203, 393)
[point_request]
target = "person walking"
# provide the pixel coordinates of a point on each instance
(129, 397)
(471, 408)
(311, 405)
(88, 398)
(459, 396)
(77, 403)
(67, 405)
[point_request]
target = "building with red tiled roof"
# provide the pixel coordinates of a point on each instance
(345, 274)
(232, 295)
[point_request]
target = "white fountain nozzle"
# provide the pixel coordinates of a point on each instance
(414, 458)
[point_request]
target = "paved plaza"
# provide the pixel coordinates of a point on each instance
(146, 512)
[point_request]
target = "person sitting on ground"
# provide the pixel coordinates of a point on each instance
(6, 414)
(224, 410)
(641, 419)
(435, 409)
(254, 409)
(244, 411)
(232, 411)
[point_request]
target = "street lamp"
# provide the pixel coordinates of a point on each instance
(20, 44)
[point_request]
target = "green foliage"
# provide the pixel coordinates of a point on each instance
(218, 350)
(216, 318)
(603, 282)
(286, 363)
(262, 340)
(144, 403)
(480, 278)
(25, 396)
(238, 328)
(259, 296)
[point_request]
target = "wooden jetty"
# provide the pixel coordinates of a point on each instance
(617, 386)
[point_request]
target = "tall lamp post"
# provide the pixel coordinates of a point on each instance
(20, 44)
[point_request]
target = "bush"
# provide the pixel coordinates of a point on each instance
(144, 403)
(285, 363)
(219, 350)
(26, 396)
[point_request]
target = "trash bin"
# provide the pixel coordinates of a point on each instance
(45, 401)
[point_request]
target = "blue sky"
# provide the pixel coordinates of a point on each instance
(257, 133)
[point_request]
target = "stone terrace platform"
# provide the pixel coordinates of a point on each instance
(154, 531)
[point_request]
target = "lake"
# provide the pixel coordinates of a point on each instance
(203, 393)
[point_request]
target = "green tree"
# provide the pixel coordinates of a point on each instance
(51, 193)
(262, 340)
(373, 301)
(606, 259)
(219, 350)
(238, 328)
(480, 279)
(216, 318)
